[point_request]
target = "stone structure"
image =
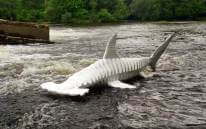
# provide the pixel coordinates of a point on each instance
(21, 32)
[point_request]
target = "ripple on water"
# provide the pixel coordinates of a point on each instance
(48, 67)
(59, 34)
(21, 64)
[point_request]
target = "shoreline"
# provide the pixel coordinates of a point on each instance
(127, 22)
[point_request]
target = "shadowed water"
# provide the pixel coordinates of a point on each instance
(175, 97)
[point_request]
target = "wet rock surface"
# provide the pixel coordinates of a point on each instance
(174, 98)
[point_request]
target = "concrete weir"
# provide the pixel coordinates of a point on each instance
(13, 32)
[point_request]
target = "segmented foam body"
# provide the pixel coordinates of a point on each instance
(106, 70)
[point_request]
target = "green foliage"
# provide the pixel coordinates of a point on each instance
(8, 9)
(142, 9)
(167, 9)
(53, 11)
(120, 11)
(105, 16)
(92, 5)
(64, 10)
(81, 14)
(190, 9)
(90, 11)
(152, 9)
(66, 17)
(30, 10)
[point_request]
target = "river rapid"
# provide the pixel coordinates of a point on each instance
(175, 97)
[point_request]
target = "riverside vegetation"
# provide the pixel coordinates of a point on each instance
(101, 11)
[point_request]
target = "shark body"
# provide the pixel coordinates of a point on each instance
(110, 70)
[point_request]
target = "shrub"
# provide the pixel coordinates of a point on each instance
(105, 16)
(66, 17)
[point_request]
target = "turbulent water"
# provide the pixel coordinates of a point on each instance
(175, 97)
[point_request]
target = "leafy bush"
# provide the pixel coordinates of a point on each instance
(105, 16)
(66, 18)
(8, 9)
(87, 11)
(81, 14)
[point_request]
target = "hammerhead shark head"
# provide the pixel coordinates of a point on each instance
(111, 70)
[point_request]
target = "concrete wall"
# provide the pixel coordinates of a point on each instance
(24, 30)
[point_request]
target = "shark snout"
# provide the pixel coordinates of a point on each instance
(63, 89)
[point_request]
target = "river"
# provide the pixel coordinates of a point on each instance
(175, 97)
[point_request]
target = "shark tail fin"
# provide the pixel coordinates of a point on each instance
(159, 51)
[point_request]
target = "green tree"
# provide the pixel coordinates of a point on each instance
(190, 9)
(30, 10)
(8, 9)
(92, 5)
(143, 9)
(53, 11)
(88, 11)
(120, 10)
(167, 9)
(105, 16)
(56, 10)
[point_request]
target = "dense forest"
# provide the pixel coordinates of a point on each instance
(97, 11)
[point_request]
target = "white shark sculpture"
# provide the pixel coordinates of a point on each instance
(110, 70)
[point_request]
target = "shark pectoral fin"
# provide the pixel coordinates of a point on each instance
(76, 92)
(70, 92)
(119, 84)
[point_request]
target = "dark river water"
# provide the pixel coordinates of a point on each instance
(175, 97)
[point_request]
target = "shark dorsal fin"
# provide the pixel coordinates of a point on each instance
(110, 51)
